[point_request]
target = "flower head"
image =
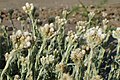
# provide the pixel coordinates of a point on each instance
(60, 67)
(71, 36)
(81, 25)
(60, 21)
(77, 55)
(28, 8)
(47, 60)
(22, 40)
(116, 33)
(94, 36)
(47, 30)
(17, 77)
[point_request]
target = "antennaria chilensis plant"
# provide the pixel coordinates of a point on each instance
(48, 52)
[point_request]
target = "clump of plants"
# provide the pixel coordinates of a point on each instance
(91, 52)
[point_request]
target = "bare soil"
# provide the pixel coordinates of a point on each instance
(52, 8)
(52, 3)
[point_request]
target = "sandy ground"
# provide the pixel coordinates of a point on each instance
(55, 5)
(51, 3)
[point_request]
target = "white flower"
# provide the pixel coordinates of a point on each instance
(27, 44)
(24, 8)
(90, 32)
(43, 59)
(27, 5)
(116, 33)
(51, 58)
(51, 25)
(75, 37)
(51, 29)
(83, 51)
(28, 8)
(60, 21)
(94, 36)
(21, 46)
(60, 67)
(17, 77)
(118, 29)
(64, 13)
(16, 46)
(91, 14)
(18, 33)
(47, 60)
(105, 21)
(26, 33)
(6, 56)
(77, 55)
(32, 7)
(28, 38)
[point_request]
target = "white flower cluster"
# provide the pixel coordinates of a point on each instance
(116, 34)
(7, 55)
(23, 61)
(22, 40)
(16, 77)
(94, 36)
(28, 8)
(60, 67)
(64, 13)
(77, 55)
(47, 30)
(81, 25)
(105, 23)
(47, 60)
(91, 14)
(71, 36)
(60, 21)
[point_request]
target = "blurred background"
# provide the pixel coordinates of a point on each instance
(55, 3)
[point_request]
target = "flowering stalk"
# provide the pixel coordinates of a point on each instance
(118, 47)
(29, 63)
(33, 23)
(66, 54)
(40, 73)
(12, 55)
(88, 74)
(39, 54)
(7, 38)
(29, 8)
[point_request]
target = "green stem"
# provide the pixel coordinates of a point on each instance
(6, 36)
(66, 53)
(77, 72)
(40, 73)
(33, 24)
(29, 63)
(118, 47)
(7, 64)
(11, 21)
(89, 64)
(39, 53)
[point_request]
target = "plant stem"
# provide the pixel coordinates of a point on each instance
(33, 24)
(118, 47)
(39, 53)
(40, 72)
(7, 64)
(89, 64)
